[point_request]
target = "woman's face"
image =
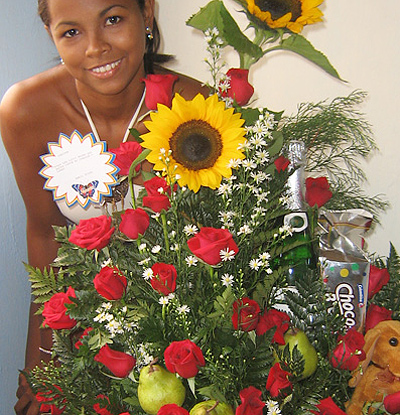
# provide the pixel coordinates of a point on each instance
(102, 42)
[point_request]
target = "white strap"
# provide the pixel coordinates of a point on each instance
(131, 123)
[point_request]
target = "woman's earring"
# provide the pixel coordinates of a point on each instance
(61, 61)
(149, 33)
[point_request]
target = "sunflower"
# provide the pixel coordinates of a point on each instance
(293, 14)
(198, 138)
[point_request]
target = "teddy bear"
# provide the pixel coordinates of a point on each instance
(379, 374)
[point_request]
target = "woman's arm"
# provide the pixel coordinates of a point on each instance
(22, 132)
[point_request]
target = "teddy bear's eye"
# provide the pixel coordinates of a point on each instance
(393, 341)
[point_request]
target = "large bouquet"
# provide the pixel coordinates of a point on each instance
(181, 301)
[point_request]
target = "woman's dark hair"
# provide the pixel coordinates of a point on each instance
(151, 56)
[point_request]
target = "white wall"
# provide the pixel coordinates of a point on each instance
(358, 36)
(24, 50)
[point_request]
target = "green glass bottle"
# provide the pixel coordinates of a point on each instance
(300, 258)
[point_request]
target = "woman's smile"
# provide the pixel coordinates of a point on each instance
(107, 70)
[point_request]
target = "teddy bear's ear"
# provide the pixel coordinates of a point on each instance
(371, 338)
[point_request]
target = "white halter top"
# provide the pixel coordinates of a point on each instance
(76, 212)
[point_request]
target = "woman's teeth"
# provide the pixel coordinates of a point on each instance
(106, 68)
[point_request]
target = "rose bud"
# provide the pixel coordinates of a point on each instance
(240, 89)
(94, 233)
(54, 311)
(375, 315)
(159, 89)
(134, 222)
(378, 277)
(251, 402)
(392, 403)
(184, 357)
(119, 363)
(125, 155)
(317, 191)
(278, 379)
(349, 351)
(110, 283)
(209, 242)
(164, 278)
(245, 314)
(157, 194)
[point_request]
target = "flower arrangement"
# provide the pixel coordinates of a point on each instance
(181, 302)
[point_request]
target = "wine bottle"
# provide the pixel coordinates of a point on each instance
(300, 258)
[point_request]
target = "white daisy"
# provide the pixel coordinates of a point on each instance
(163, 300)
(255, 264)
(183, 309)
(191, 261)
(227, 254)
(156, 249)
(227, 280)
(190, 230)
(245, 230)
(147, 274)
(142, 247)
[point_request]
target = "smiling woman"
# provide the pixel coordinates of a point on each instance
(107, 47)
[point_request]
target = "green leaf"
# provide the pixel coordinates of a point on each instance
(215, 14)
(300, 45)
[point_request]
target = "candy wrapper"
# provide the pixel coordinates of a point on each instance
(344, 265)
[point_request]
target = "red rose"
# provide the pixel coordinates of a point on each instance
(79, 343)
(101, 407)
(125, 155)
(378, 277)
(119, 363)
(317, 191)
(110, 283)
(164, 278)
(328, 407)
(245, 314)
(159, 90)
(134, 222)
(94, 233)
(172, 409)
(157, 194)
(349, 350)
(251, 402)
(240, 89)
(281, 163)
(273, 318)
(392, 403)
(209, 242)
(184, 357)
(55, 311)
(278, 379)
(45, 402)
(375, 315)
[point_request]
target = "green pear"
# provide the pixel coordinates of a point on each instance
(296, 337)
(159, 387)
(211, 407)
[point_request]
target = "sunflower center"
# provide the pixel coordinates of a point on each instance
(196, 145)
(279, 8)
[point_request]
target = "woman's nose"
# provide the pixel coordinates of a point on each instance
(97, 44)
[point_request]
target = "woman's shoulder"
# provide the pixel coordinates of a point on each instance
(32, 96)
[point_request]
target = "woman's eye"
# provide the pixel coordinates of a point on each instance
(71, 33)
(113, 20)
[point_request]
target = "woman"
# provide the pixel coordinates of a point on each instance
(107, 47)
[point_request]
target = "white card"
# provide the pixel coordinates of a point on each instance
(79, 169)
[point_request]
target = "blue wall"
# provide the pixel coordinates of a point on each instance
(25, 49)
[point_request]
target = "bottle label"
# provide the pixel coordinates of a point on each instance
(298, 221)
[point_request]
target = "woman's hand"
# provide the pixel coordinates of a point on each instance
(27, 403)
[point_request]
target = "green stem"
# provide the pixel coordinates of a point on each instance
(164, 225)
